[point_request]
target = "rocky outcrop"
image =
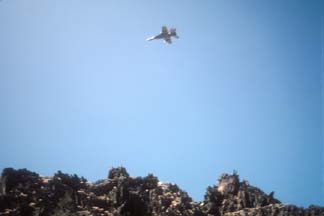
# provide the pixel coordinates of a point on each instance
(234, 198)
(26, 193)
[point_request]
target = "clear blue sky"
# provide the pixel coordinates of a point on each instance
(81, 90)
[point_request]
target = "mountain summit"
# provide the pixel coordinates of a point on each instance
(25, 193)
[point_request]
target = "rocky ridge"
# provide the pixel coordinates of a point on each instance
(25, 193)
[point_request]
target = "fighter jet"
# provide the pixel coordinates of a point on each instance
(165, 35)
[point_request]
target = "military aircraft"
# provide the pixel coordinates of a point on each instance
(165, 35)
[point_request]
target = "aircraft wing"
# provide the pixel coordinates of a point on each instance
(168, 40)
(164, 29)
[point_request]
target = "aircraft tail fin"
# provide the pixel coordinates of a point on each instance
(173, 32)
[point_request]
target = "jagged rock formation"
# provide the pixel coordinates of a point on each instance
(26, 193)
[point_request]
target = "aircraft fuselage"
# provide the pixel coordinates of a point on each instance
(165, 34)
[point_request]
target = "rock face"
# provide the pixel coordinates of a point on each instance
(26, 193)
